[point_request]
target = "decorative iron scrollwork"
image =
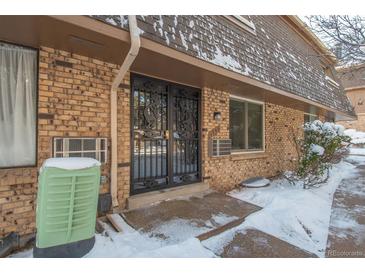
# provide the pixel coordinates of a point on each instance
(153, 134)
(187, 118)
(150, 183)
(166, 134)
(152, 112)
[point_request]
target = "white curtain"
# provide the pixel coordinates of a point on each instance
(18, 78)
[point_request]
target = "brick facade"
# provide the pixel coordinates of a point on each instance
(281, 124)
(353, 79)
(74, 101)
(124, 147)
(358, 124)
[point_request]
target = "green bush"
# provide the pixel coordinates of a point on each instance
(323, 144)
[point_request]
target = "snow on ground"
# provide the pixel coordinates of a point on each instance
(357, 151)
(178, 230)
(346, 224)
(222, 219)
(257, 183)
(358, 137)
(132, 243)
(347, 219)
(290, 213)
(317, 149)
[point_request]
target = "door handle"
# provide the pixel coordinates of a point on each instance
(166, 134)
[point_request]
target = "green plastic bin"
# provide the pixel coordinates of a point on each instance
(67, 201)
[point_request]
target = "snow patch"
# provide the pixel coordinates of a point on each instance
(357, 137)
(358, 151)
(258, 183)
(160, 21)
(71, 163)
(222, 219)
(111, 21)
(132, 243)
(247, 70)
(167, 38)
(288, 212)
(226, 61)
(179, 230)
(183, 40)
(316, 149)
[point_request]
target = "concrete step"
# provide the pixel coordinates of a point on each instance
(146, 199)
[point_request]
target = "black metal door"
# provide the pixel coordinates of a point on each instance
(165, 134)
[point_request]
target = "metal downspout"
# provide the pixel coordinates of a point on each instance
(132, 54)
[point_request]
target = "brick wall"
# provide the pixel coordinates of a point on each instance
(357, 98)
(74, 94)
(124, 142)
(281, 124)
(358, 124)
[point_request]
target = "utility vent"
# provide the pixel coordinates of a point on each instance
(220, 147)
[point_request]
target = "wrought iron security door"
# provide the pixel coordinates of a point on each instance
(165, 134)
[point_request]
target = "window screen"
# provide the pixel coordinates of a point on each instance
(81, 147)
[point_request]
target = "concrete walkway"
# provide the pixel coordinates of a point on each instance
(198, 216)
(213, 213)
(347, 226)
(256, 244)
(206, 216)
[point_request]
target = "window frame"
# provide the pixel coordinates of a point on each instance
(328, 75)
(247, 100)
(36, 105)
(242, 22)
(97, 150)
(311, 115)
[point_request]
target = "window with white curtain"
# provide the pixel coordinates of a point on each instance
(18, 89)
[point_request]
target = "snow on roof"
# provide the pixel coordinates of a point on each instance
(71, 163)
(276, 60)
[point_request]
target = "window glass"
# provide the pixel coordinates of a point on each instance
(255, 126)
(237, 124)
(246, 125)
(81, 147)
(310, 118)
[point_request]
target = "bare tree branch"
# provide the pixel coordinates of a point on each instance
(343, 34)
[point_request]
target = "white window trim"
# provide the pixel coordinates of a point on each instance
(245, 151)
(65, 147)
(242, 23)
(311, 114)
(332, 82)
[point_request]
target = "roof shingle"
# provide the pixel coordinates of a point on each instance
(276, 55)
